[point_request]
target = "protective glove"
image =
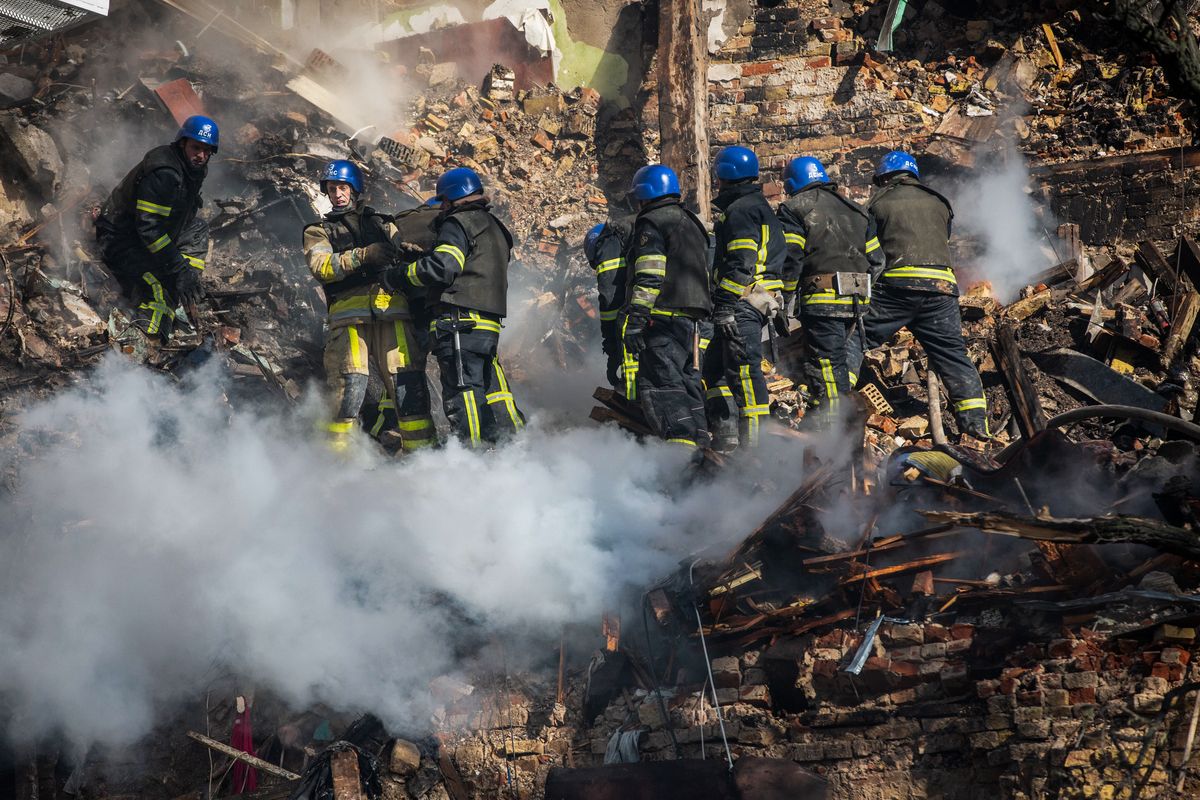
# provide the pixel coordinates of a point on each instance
(634, 335)
(377, 256)
(789, 300)
(613, 372)
(188, 287)
(727, 331)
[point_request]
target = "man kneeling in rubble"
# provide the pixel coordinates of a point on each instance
(347, 252)
(150, 233)
(466, 277)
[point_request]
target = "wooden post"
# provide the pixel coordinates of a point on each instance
(1069, 234)
(347, 781)
(1026, 406)
(683, 98)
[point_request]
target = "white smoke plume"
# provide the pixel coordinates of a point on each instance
(997, 207)
(155, 535)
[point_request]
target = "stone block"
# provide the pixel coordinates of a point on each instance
(405, 757)
(14, 90)
(33, 152)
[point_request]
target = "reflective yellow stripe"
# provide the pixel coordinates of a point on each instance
(972, 403)
(403, 350)
(159, 243)
(419, 424)
(412, 275)
(450, 249)
(610, 265)
(355, 343)
(327, 271)
(609, 316)
(718, 391)
(650, 259)
(830, 298)
(733, 286)
(380, 418)
(872, 244)
(932, 273)
(153, 208)
(704, 343)
(472, 417)
(629, 366)
(157, 306)
(741, 244)
(663, 312)
(483, 323)
(644, 296)
(795, 238)
(340, 427)
(198, 263)
(760, 264)
(791, 286)
(770, 284)
(505, 396)
(685, 442)
(831, 390)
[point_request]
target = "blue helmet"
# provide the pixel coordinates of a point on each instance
(654, 181)
(344, 171)
(736, 164)
(202, 129)
(458, 183)
(802, 172)
(897, 161)
(589, 241)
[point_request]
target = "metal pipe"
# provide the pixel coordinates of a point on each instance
(1188, 429)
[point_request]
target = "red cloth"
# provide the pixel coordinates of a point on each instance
(245, 777)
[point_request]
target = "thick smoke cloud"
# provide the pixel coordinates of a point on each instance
(155, 534)
(996, 206)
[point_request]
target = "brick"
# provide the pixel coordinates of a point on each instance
(1079, 680)
(1034, 698)
(543, 140)
(1174, 655)
(806, 752)
(937, 633)
(987, 688)
(826, 23)
(934, 650)
(759, 68)
(1160, 670)
(1086, 694)
(759, 696)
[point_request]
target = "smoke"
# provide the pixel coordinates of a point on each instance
(997, 207)
(158, 537)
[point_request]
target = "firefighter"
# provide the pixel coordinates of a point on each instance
(347, 252)
(150, 233)
(605, 246)
(750, 255)
(465, 277)
(917, 288)
(669, 295)
(832, 253)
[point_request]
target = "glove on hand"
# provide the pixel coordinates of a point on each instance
(634, 331)
(729, 334)
(188, 287)
(377, 255)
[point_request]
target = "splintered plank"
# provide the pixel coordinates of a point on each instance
(253, 761)
(601, 414)
(919, 564)
(1182, 323)
(1026, 405)
(1153, 264)
(347, 782)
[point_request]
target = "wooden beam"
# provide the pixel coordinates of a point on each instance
(1153, 264)
(347, 781)
(1181, 327)
(1027, 408)
(257, 763)
(919, 564)
(683, 98)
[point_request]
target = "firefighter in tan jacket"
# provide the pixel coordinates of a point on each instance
(347, 251)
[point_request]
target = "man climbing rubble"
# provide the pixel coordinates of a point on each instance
(917, 288)
(465, 276)
(669, 295)
(604, 247)
(832, 254)
(347, 252)
(150, 233)
(750, 258)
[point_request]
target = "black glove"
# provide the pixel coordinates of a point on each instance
(727, 330)
(780, 321)
(613, 371)
(634, 332)
(788, 299)
(378, 255)
(188, 287)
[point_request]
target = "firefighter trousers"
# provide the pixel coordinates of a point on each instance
(669, 386)
(743, 374)
(936, 322)
(826, 368)
(720, 410)
(398, 349)
(482, 409)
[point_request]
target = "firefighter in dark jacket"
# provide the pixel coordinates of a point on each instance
(749, 264)
(669, 295)
(917, 288)
(347, 252)
(605, 246)
(150, 233)
(832, 253)
(465, 277)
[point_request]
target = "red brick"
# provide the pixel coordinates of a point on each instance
(1160, 670)
(820, 62)
(826, 23)
(905, 669)
(987, 688)
(960, 630)
(1008, 686)
(1085, 695)
(1060, 648)
(1034, 698)
(824, 668)
(758, 68)
(937, 633)
(1176, 672)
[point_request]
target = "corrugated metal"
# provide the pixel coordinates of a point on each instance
(23, 20)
